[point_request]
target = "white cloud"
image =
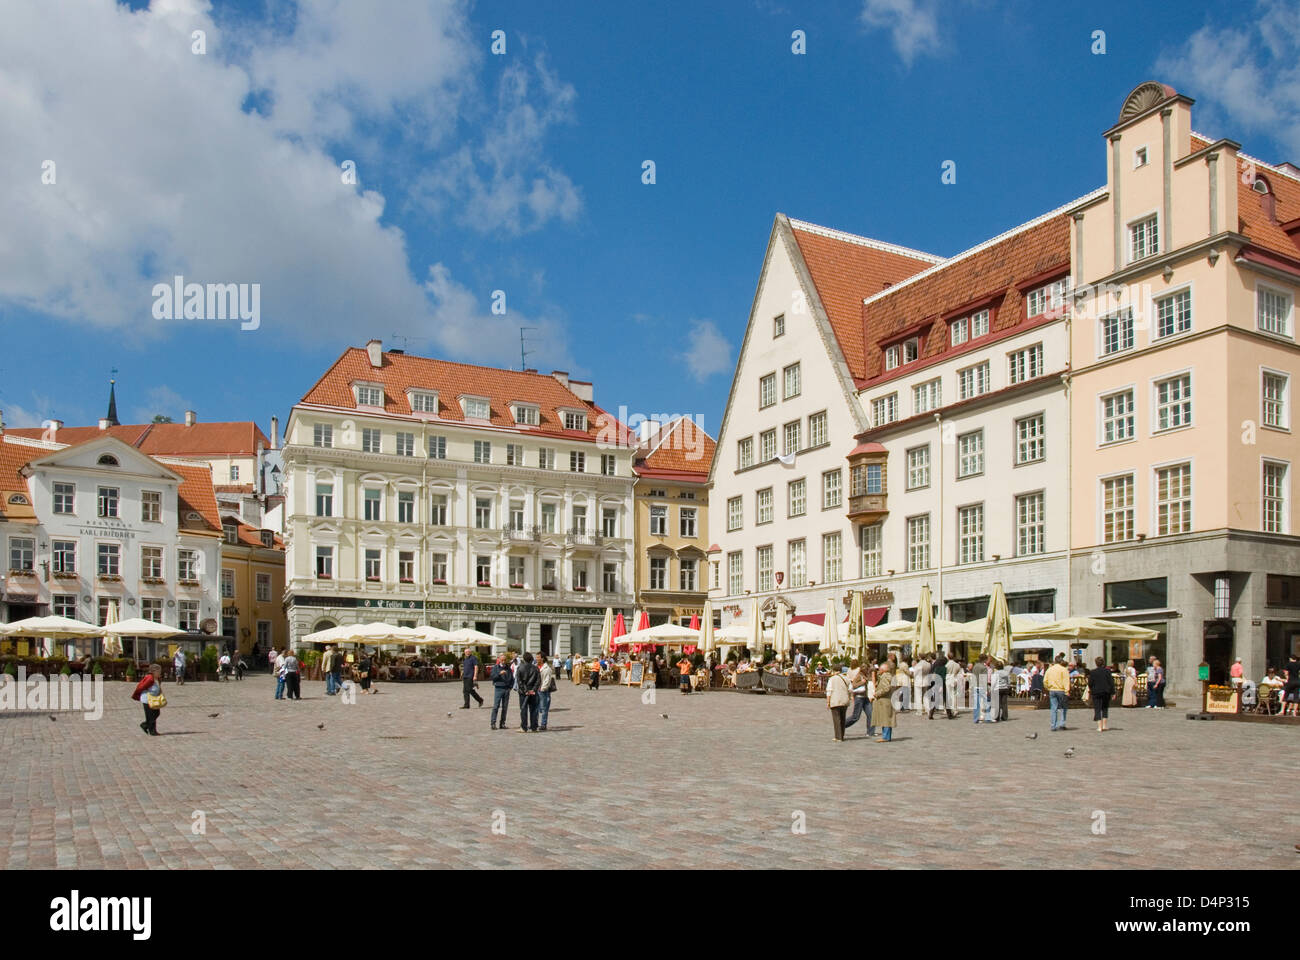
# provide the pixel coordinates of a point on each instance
(708, 351)
(161, 170)
(913, 25)
(16, 416)
(163, 400)
(1246, 79)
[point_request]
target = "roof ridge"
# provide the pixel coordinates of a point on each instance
(986, 244)
(1253, 159)
(862, 241)
(37, 442)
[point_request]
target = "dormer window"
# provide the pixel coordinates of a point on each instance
(892, 355)
(573, 420)
(1051, 298)
(231, 532)
(979, 324)
(1260, 185)
(1140, 157)
(476, 408)
(369, 396)
(268, 538)
(960, 331)
(423, 401)
(527, 415)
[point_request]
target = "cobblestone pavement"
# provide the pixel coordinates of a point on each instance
(405, 779)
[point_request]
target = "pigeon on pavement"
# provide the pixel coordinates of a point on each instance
(1032, 736)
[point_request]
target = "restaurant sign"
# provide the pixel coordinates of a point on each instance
(878, 597)
(448, 605)
(1221, 699)
(389, 604)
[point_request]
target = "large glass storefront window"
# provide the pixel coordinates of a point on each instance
(1283, 643)
(1152, 594)
(1122, 651)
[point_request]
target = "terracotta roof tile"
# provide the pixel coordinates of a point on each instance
(401, 372)
(251, 536)
(195, 495)
(684, 448)
(14, 456)
(239, 438)
(845, 271)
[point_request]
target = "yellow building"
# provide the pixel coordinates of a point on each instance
(672, 522)
(252, 587)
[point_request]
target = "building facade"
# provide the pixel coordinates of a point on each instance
(252, 587)
(672, 522)
(1184, 356)
(422, 491)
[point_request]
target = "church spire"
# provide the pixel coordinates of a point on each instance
(112, 404)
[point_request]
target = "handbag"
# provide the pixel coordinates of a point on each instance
(157, 701)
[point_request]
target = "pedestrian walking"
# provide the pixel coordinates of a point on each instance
(883, 704)
(1130, 685)
(593, 675)
(954, 684)
(178, 664)
(938, 689)
(549, 686)
(1101, 687)
(862, 685)
(1002, 691)
(277, 664)
(292, 676)
(469, 674)
(979, 681)
(327, 669)
(838, 696)
(684, 667)
(528, 681)
(502, 681)
(149, 692)
(1057, 685)
(568, 666)
(1156, 685)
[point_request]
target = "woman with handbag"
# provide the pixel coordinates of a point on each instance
(364, 667)
(149, 692)
(838, 695)
(883, 704)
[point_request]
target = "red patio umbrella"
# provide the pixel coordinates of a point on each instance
(644, 622)
(620, 627)
(695, 621)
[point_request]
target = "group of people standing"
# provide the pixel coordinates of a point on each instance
(534, 680)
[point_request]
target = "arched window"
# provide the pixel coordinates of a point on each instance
(108, 460)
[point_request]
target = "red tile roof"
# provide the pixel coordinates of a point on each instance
(235, 439)
(195, 495)
(846, 270)
(991, 272)
(251, 536)
(682, 452)
(450, 381)
(13, 456)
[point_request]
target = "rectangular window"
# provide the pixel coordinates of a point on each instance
(22, 554)
(1275, 497)
(516, 514)
(187, 566)
(688, 575)
(797, 554)
(526, 415)
(370, 397)
(109, 560)
(1031, 439)
(970, 454)
(322, 435)
(765, 505)
(609, 578)
(687, 525)
(892, 355)
(545, 459)
(1274, 311)
(918, 543)
(735, 513)
(438, 568)
(926, 396)
(1030, 524)
(579, 578)
(872, 550)
(658, 573)
(482, 451)
(767, 446)
(405, 444)
(745, 452)
(1025, 364)
(424, 403)
(832, 558)
(483, 571)
(1117, 514)
(65, 605)
(911, 350)
(797, 498)
(1174, 314)
(264, 634)
(791, 381)
(514, 455)
(108, 497)
(1117, 419)
(373, 505)
(884, 410)
(575, 421)
(832, 493)
(658, 521)
(550, 574)
(150, 506)
(778, 326)
(1144, 239)
(608, 465)
(979, 324)
(791, 438)
(438, 510)
(406, 566)
(608, 522)
(959, 331)
(766, 390)
(476, 409)
(817, 429)
(151, 565)
(483, 513)
(735, 573)
(764, 569)
(1050, 298)
(371, 440)
(437, 448)
(577, 461)
(918, 467)
(65, 498)
(973, 381)
(188, 617)
(263, 588)
(374, 564)
(549, 513)
(64, 555)
(970, 534)
(227, 584)
(1152, 594)
(1117, 332)
(151, 609)
(1174, 500)
(406, 506)
(1174, 402)
(1275, 396)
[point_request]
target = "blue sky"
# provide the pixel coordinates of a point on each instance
(523, 172)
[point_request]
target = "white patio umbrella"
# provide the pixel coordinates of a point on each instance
(138, 627)
(830, 635)
(607, 631)
(469, 637)
(55, 628)
(804, 633)
(781, 633)
(754, 639)
(706, 628)
(997, 626)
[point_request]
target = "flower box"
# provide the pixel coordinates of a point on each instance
(516, 586)
(195, 583)
(372, 579)
(22, 573)
(439, 583)
(485, 583)
(66, 575)
(580, 589)
(110, 578)
(152, 580)
(319, 576)
(406, 580)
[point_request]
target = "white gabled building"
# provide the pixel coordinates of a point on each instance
(778, 522)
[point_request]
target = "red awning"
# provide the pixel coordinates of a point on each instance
(874, 615)
(817, 618)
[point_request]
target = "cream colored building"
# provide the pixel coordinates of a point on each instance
(423, 491)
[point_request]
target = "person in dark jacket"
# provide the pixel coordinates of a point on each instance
(1101, 687)
(528, 680)
(468, 674)
(502, 680)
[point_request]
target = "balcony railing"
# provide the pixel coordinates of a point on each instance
(585, 539)
(520, 533)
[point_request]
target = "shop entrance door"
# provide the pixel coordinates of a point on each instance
(548, 639)
(1217, 649)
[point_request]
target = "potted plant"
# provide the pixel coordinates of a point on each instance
(439, 582)
(516, 586)
(208, 663)
(130, 671)
(485, 583)
(97, 669)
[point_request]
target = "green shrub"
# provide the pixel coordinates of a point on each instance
(11, 669)
(208, 659)
(97, 669)
(309, 658)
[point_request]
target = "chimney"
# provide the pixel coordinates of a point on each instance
(562, 376)
(375, 349)
(103, 423)
(2, 423)
(275, 433)
(190, 418)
